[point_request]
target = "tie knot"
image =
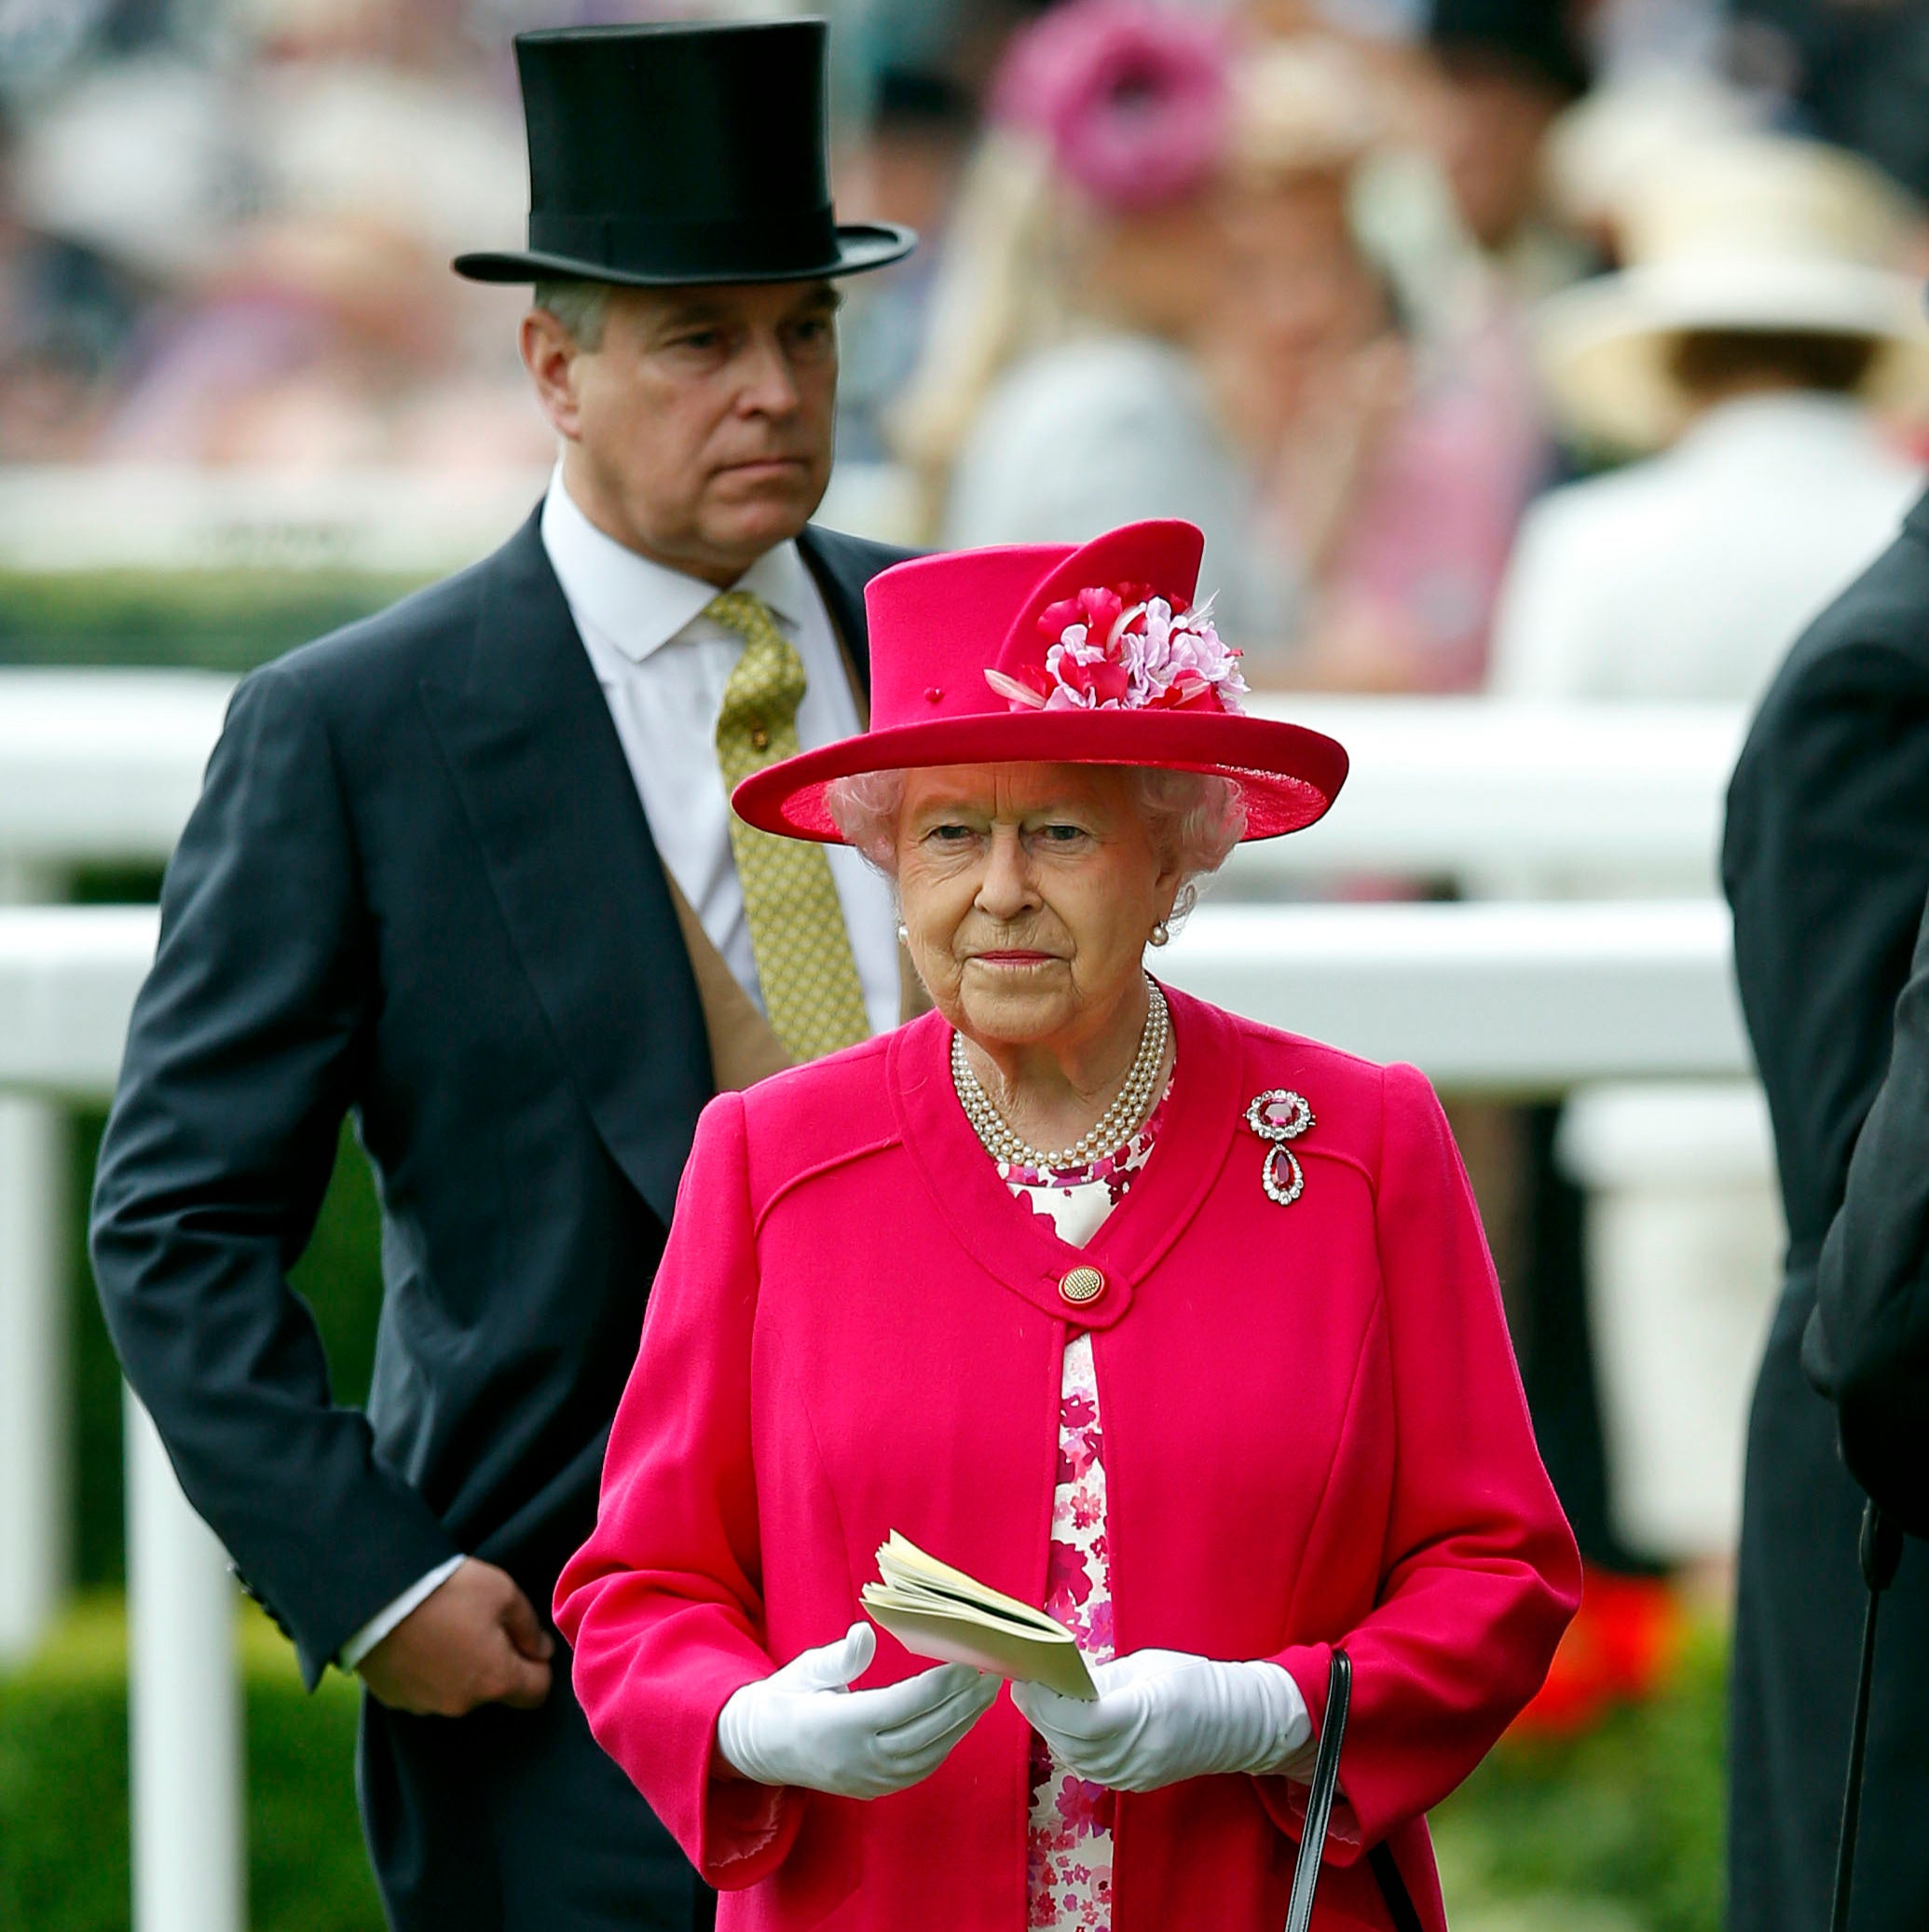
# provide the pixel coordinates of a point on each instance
(742, 611)
(757, 722)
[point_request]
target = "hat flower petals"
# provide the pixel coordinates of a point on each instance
(1124, 647)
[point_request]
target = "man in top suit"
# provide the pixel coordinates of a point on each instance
(468, 872)
(1826, 866)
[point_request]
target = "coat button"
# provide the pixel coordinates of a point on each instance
(1080, 1285)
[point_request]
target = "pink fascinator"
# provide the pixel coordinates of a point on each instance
(1131, 97)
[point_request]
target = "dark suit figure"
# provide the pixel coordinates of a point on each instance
(1827, 867)
(1868, 1342)
(421, 887)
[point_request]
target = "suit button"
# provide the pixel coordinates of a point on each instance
(1080, 1285)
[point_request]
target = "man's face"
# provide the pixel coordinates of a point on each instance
(698, 432)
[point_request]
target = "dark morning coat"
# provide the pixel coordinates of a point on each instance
(1826, 866)
(419, 886)
(1867, 1343)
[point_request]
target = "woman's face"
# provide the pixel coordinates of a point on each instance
(1029, 893)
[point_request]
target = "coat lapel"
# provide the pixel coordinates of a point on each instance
(535, 757)
(841, 578)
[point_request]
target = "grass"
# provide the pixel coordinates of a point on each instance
(1616, 1831)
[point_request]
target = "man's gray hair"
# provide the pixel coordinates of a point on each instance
(581, 307)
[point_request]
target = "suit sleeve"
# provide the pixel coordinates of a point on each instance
(240, 1068)
(1479, 1574)
(663, 1605)
(1868, 1340)
(1825, 865)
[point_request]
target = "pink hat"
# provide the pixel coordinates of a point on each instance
(1131, 97)
(1058, 655)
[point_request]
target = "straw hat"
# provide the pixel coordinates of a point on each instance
(1058, 654)
(1760, 233)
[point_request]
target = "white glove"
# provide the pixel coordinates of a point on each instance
(803, 1725)
(1162, 1716)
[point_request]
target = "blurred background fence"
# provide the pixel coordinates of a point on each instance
(1507, 355)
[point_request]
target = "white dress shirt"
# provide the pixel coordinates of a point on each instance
(663, 666)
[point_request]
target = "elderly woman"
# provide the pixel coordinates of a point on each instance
(1178, 1326)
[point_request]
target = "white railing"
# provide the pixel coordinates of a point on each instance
(106, 765)
(1505, 792)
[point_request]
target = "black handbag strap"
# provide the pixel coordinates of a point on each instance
(1312, 1840)
(1881, 1554)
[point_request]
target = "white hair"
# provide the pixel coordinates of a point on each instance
(1193, 820)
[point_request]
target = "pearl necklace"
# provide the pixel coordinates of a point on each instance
(1119, 1122)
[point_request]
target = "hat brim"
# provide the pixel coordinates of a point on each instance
(1604, 347)
(1288, 776)
(861, 246)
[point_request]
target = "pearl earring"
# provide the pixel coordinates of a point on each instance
(1161, 932)
(903, 934)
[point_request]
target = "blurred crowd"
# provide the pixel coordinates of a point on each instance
(1366, 287)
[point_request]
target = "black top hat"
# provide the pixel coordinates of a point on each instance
(1536, 36)
(678, 154)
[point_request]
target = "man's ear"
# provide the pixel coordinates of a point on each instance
(550, 354)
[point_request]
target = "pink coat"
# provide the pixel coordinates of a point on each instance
(1314, 1432)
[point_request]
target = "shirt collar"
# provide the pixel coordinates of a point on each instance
(639, 605)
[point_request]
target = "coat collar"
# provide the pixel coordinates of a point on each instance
(534, 755)
(840, 569)
(1025, 1255)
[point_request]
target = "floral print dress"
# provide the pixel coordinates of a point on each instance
(1069, 1838)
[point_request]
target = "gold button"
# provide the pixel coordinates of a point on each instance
(760, 738)
(1079, 1285)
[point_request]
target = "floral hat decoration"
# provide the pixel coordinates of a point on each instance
(1129, 96)
(1050, 653)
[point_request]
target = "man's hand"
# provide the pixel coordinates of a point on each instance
(474, 1641)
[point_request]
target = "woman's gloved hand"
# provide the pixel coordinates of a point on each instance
(1165, 1715)
(804, 1725)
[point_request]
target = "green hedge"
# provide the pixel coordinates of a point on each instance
(1622, 1828)
(63, 1788)
(201, 620)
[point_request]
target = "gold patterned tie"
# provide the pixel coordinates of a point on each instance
(811, 988)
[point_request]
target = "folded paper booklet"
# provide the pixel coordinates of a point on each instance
(935, 1610)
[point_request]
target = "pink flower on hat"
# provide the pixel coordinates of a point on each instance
(1130, 96)
(1124, 647)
